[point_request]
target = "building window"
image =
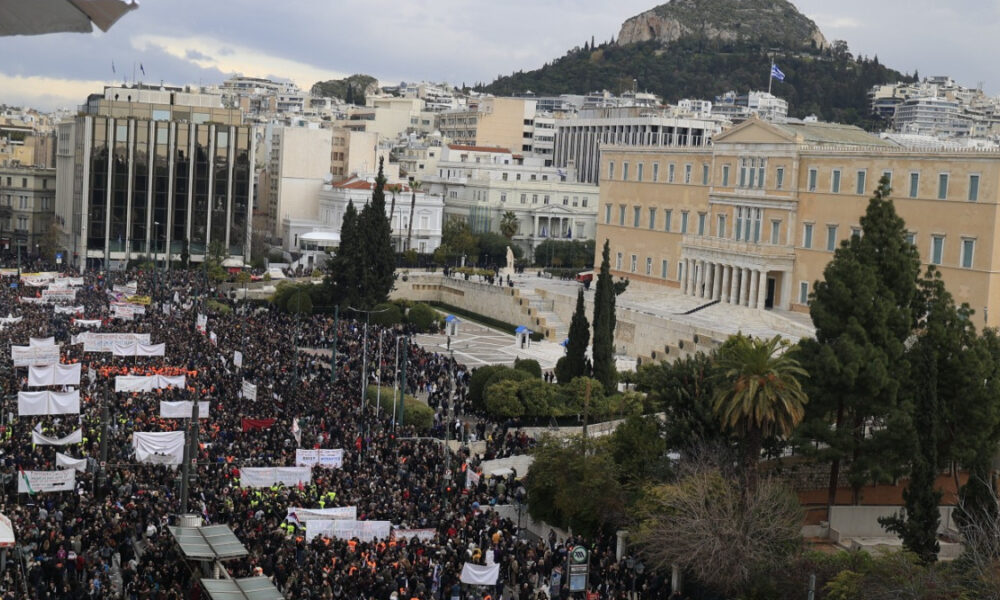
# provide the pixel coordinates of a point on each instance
(633, 263)
(704, 174)
(835, 181)
(565, 200)
(803, 292)
(725, 175)
(911, 238)
(687, 173)
(856, 232)
(888, 177)
(607, 214)
(812, 180)
(638, 171)
(534, 198)
(518, 177)
(779, 178)
(624, 171)
(701, 223)
(618, 261)
(667, 215)
(524, 198)
(968, 251)
(504, 177)
(545, 200)
(621, 215)
(649, 266)
(583, 202)
(664, 268)
(680, 270)
(656, 172)
(914, 184)
(720, 226)
(743, 172)
(942, 186)
(760, 172)
(636, 211)
(652, 218)
(503, 196)
(973, 188)
(775, 232)
(807, 235)
(684, 221)
(937, 249)
(862, 183)
(670, 173)
(611, 170)
(831, 238)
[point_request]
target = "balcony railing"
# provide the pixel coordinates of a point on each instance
(736, 247)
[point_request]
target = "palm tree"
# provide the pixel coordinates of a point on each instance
(508, 224)
(414, 186)
(758, 393)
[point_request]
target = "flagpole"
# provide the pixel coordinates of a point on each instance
(770, 78)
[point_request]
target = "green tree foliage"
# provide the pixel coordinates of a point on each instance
(477, 384)
(457, 240)
(863, 310)
(379, 259)
(529, 366)
(344, 277)
(565, 253)
(603, 352)
(492, 247)
(684, 390)
(575, 363)
(895, 575)
(570, 486)
(417, 414)
(422, 317)
(508, 224)
(758, 394)
(816, 82)
(299, 302)
(502, 399)
(639, 450)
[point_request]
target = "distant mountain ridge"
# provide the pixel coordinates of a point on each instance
(774, 21)
(705, 48)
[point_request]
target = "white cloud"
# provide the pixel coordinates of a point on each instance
(835, 22)
(209, 53)
(46, 93)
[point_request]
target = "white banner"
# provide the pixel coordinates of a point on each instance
(104, 342)
(10, 319)
(88, 323)
(46, 481)
(329, 458)
(471, 479)
(25, 356)
(126, 311)
(43, 440)
(238, 358)
(201, 323)
(268, 476)
(148, 383)
(30, 300)
(474, 574)
(139, 349)
(213, 338)
(31, 404)
(347, 529)
(68, 462)
(424, 535)
(129, 289)
(38, 279)
(311, 514)
(59, 296)
(249, 390)
(182, 410)
(42, 375)
(160, 447)
(41, 342)
(67, 310)
(70, 281)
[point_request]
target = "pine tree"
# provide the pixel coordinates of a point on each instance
(343, 279)
(574, 364)
(603, 351)
(863, 310)
(376, 254)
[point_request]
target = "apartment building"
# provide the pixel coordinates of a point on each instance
(754, 219)
(492, 122)
(27, 206)
(299, 166)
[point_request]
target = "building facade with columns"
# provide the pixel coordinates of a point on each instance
(754, 219)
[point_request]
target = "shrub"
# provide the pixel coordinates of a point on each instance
(539, 398)
(502, 400)
(573, 395)
(506, 374)
(299, 302)
(393, 315)
(417, 414)
(216, 307)
(529, 366)
(422, 317)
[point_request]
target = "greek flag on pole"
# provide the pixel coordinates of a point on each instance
(776, 73)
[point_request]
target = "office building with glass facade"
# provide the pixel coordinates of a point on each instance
(151, 181)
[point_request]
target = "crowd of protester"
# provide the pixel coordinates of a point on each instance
(109, 537)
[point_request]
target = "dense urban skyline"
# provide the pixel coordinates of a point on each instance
(187, 42)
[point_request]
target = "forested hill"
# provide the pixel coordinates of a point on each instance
(828, 82)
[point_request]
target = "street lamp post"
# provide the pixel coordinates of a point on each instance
(364, 354)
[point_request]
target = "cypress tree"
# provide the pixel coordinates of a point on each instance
(603, 352)
(343, 278)
(376, 254)
(574, 364)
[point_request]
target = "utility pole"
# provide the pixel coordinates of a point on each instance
(102, 477)
(447, 429)
(336, 333)
(402, 386)
(395, 383)
(190, 456)
(378, 392)
(364, 354)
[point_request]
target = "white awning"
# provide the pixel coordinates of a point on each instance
(321, 237)
(56, 16)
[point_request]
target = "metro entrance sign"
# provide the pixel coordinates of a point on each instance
(579, 568)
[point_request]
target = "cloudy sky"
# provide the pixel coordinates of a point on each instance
(204, 41)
